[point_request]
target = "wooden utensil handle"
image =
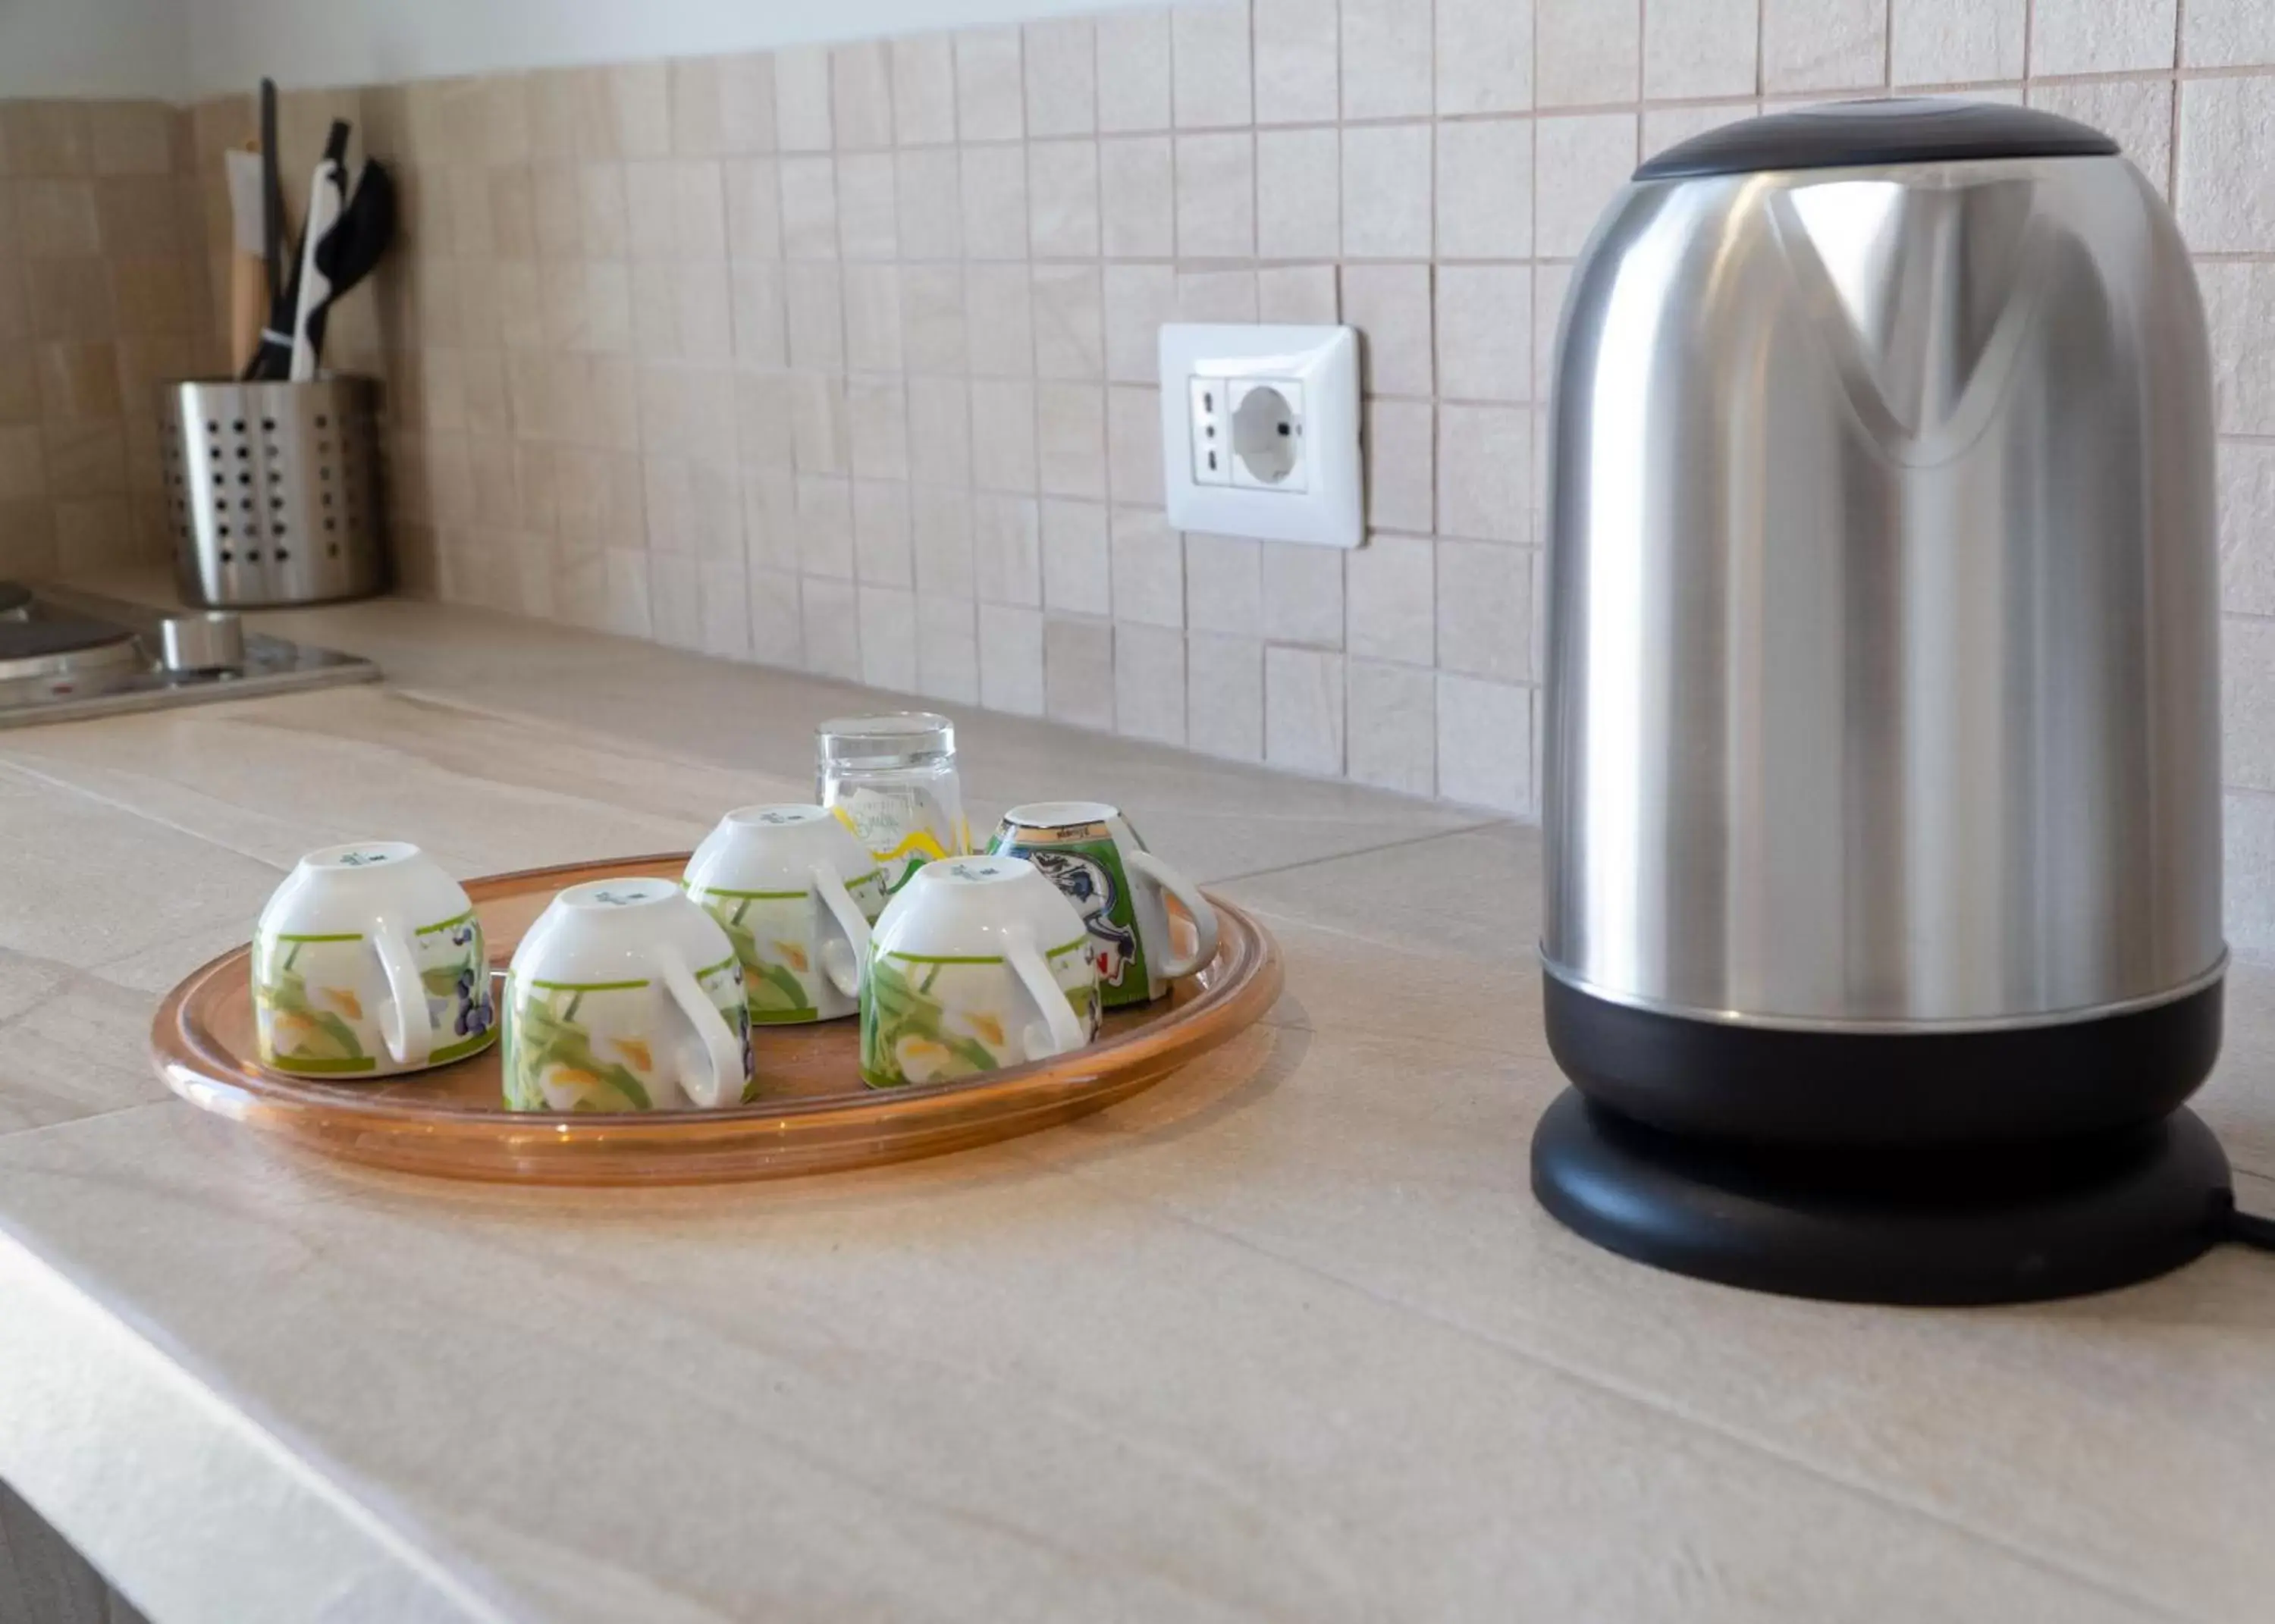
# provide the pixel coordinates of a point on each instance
(248, 300)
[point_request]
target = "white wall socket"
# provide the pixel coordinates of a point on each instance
(1260, 432)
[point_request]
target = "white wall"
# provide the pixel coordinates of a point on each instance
(304, 44)
(94, 48)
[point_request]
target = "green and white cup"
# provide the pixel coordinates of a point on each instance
(625, 996)
(977, 965)
(794, 891)
(1088, 850)
(368, 962)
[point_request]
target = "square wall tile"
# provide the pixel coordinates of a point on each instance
(816, 318)
(1062, 77)
(1006, 549)
(802, 99)
(1386, 58)
(1824, 44)
(1069, 324)
(1133, 70)
(1077, 575)
(1149, 683)
(1400, 465)
(754, 189)
(1391, 585)
(1955, 41)
(872, 319)
(1216, 196)
(1304, 294)
(924, 90)
(2225, 193)
(1390, 306)
(776, 637)
(1078, 672)
(1702, 47)
(1209, 72)
(990, 85)
(1136, 198)
(1070, 439)
(1585, 53)
(1224, 696)
(876, 423)
(932, 318)
(865, 208)
(940, 525)
(1299, 193)
(1386, 191)
(1485, 189)
(1579, 163)
(1392, 726)
(1485, 332)
(999, 315)
(2246, 525)
(1485, 56)
(939, 430)
(2227, 34)
(1485, 610)
(861, 96)
(1012, 660)
(888, 638)
(2237, 296)
(1485, 744)
(1665, 126)
(809, 207)
(825, 527)
(1138, 299)
(1484, 473)
(1133, 444)
(948, 649)
(1148, 568)
(1303, 593)
(928, 203)
(1062, 199)
(1295, 61)
(1304, 710)
(994, 187)
(1224, 584)
(1002, 435)
(830, 626)
(2098, 36)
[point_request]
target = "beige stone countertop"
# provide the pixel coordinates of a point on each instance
(1285, 1338)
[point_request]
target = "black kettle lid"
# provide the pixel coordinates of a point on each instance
(1885, 130)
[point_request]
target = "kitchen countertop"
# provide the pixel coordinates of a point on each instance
(1284, 1338)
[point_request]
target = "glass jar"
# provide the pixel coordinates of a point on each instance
(892, 779)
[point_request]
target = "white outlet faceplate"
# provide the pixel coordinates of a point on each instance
(1260, 432)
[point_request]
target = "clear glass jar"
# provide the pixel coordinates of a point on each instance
(892, 778)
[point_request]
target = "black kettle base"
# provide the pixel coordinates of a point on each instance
(2010, 1223)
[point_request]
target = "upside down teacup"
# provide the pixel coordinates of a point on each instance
(978, 963)
(795, 890)
(625, 996)
(1088, 850)
(368, 962)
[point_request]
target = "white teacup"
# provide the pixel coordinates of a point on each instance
(795, 890)
(977, 965)
(1088, 850)
(368, 962)
(625, 996)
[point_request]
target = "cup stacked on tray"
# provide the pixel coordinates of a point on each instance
(641, 992)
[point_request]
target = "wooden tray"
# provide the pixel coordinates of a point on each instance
(817, 1116)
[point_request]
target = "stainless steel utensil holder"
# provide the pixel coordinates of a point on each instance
(275, 491)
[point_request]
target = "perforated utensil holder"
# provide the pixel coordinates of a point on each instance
(274, 491)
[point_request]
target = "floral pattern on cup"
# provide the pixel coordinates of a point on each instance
(316, 998)
(592, 1046)
(935, 1020)
(776, 937)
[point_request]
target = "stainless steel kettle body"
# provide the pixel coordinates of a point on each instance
(1882, 777)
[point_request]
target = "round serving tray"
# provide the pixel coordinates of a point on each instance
(816, 1116)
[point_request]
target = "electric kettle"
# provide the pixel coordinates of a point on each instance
(1881, 793)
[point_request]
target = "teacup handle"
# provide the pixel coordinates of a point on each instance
(853, 925)
(1186, 892)
(1060, 1022)
(724, 1083)
(407, 1027)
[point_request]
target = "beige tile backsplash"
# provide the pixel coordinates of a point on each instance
(842, 358)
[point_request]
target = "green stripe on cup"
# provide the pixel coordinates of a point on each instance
(474, 1045)
(1066, 946)
(337, 936)
(316, 1065)
(587, 986)
(750, 896)
(429, 930)
(937, 958)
